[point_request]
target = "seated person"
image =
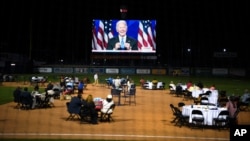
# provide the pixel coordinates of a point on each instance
(57, 89)
(49, 86)
(26, 98)
(189, 84)
(75, 104)
(244, 97)
(222, 99)
(142, 81)
(89, 106)
(172, 85)
(200, 85)
(212, 87)
(34, 94)
(154, 82)
(109, 81)
(106, 105)
(16, 94)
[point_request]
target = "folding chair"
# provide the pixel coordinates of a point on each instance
(107, 116)
(171, 89)
(174, 113)
(116, 92)
(222, 120)
(128, 96)
(197, 119)
(71, 116)
(181, 119)
(204, 100)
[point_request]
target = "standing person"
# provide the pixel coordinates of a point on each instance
(62, 82)
(122, 41)
(80, 87)
(96, 79)
(232, 107)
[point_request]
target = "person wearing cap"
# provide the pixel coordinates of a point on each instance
(107, 103)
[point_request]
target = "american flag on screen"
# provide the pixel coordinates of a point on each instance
(102, 32)
(146, 35)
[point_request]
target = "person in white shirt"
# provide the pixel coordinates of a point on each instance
(106, 104)
(172, 86)
(96, 79)
(117, 82)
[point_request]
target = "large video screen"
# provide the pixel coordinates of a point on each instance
(108, 36)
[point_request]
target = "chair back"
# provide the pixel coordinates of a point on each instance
(115, 91)
(132, 91)
(181, 104)
(197, 114)
(223, 115)
(171, 87)
(112, 107)
(204, 100)
(67, 105)
(178, 89)
(172, 108)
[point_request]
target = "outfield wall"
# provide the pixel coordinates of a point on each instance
(180, 71)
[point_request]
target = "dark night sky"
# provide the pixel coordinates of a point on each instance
(56, 29)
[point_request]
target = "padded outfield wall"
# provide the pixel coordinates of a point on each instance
(178, 71)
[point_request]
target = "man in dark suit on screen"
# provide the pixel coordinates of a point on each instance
(122, 41)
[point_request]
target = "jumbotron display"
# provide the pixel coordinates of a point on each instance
(124, 36)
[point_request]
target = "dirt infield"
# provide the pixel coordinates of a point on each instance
(149, 119)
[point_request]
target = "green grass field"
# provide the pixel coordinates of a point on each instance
(233, 86)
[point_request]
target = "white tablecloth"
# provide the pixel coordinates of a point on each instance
(209, 112)
(149, 85)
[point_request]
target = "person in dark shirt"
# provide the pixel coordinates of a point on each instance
(26, 98)
(75, 104)
(90, 104)
(17, 96)
(122, 41)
